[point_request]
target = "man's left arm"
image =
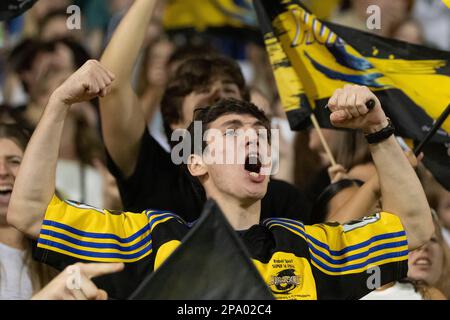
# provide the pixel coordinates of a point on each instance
(401, 190)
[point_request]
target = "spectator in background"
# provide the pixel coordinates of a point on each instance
(408, 31)
(29, 61)
(350, 150)
(157, 68)
(53, 26)
(155, 73)
(41, 67)
(38, 12)
(434, 19)
(443, 210)
(430, 265)
(20, 276)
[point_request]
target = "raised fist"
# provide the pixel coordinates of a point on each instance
(90, 81)
(349, 110)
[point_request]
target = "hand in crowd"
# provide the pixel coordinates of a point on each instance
(349, 110)
(90, 81)
(75, 282)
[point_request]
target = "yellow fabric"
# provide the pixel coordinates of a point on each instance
(202, 14)
(303, 40)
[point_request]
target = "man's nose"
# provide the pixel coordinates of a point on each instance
(215, 95)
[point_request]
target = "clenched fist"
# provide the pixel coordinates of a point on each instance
(90, 81)
(349, 110)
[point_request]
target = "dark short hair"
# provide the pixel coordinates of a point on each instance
(194, 75)
(192, 51)
(321, 205)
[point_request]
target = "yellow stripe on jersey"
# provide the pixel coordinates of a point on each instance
(353, 247)
(358, 245)
(98, 235)
(164, 252)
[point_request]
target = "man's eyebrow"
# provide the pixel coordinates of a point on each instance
(259, 123)
(239, 123)
(232, 123)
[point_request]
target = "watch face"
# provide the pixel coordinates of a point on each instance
(12, 8)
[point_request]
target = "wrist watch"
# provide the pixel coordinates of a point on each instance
(381, 135)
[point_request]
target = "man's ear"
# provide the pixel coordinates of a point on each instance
(196, 166)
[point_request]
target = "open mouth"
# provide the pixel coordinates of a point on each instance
(422, 262)
(253, 164)
(5, 194)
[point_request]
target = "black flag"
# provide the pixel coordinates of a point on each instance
(212, 263)
(12, 8)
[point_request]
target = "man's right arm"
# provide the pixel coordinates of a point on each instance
(123, 122)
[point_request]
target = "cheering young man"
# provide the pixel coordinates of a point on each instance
(323, 261)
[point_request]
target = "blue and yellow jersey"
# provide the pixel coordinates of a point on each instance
(326, 261)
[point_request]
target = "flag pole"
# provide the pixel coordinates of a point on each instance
(322, 139)
(433, 130)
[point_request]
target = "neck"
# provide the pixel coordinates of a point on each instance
(241, 216)
(11, 237)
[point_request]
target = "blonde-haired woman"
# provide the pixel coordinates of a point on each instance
(20, 276)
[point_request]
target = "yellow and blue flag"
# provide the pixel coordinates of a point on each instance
(312, 58)
(203, 14)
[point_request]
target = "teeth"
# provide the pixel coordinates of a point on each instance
(423, 262)
(254, 174)
(5, 189)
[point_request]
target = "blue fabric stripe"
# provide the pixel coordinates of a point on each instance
(105, 235)
(88, 244)
(297, 223)
(349, 248)
(96, 254)
(362, 264)
(360, 255)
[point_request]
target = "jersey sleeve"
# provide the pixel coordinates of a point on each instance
(72, 232)
(353, 259)
(90, 234)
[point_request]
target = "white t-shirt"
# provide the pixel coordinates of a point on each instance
(399, 291)
(15, 282)
(446, 235)
(69, 183)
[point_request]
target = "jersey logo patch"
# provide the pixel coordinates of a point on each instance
(284, 282)
(361, 223)
(80, 205)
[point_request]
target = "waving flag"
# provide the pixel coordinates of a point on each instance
(204, 14)
(312, 58)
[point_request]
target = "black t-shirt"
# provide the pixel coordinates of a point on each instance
(158, 183)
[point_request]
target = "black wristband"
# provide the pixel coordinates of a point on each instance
(381, 135)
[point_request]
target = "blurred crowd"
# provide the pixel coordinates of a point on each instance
(38, 52)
